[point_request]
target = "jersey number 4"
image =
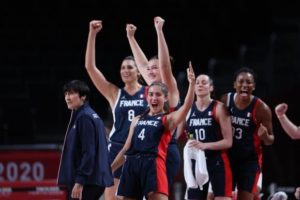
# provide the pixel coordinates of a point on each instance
(142, 134)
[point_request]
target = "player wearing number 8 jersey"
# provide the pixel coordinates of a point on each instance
(126, 102)
(251, 120)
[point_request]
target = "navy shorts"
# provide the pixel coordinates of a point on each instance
(245, 175)
(113, 149)
(220, 175)
(197, 193)
(173, 162)
(142, 175)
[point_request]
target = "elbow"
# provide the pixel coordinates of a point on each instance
(228, 144)
(270, 141)
(295, 136)
(88, 66)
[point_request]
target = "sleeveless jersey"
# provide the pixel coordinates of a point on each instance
(203, 125)
(150, 137)
(246, 143)
(126, 108)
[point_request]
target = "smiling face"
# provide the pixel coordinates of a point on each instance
(129, 72)
(244, 85)
(157, 97)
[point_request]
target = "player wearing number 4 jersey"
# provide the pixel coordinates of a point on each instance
(144, 172)
(251, 120)
(126, 102)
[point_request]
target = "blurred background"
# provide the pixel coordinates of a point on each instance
(42, 46)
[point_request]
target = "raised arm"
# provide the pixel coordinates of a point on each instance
(138, 54)
(106, 88)
(289, 127)
(165, 66)
(174, 118)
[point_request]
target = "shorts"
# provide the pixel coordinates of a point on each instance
(114, 148)
(141, 175)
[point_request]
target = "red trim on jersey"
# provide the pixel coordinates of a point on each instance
(214, 116)
(254, 187)
(228, 174)
(214, 111)
(257, 102)
(161, 175)
(257, 143)
(146, 91)
(171, 109)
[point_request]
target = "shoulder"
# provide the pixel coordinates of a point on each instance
(88, 112)
(261, 105)
(220, 108)
(225, 98)
(262, 109)
(220, 105)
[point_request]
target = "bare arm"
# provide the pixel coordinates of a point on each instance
(138, 54)
(224, 99)
(120, 158)
(174, 118)
(226, 129)
(264, 117)
(165, 66)
(289, 127)
(181, 128)
(106, 88)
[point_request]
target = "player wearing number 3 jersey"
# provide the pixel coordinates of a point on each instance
(251, 120)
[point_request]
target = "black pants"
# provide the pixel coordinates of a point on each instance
(90, 192)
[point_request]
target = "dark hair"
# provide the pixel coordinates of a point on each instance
(79, 87)
(244, 70)
(140, 77)
(129, 58)
(165, 91)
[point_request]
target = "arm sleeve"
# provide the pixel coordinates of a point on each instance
(87, 136)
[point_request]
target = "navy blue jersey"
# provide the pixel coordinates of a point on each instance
(150, 137)
(203, 125)
(246, 143)
(126, 108)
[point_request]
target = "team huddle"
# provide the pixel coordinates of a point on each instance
(140, 158)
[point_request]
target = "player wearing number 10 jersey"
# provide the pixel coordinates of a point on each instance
(209, 127)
